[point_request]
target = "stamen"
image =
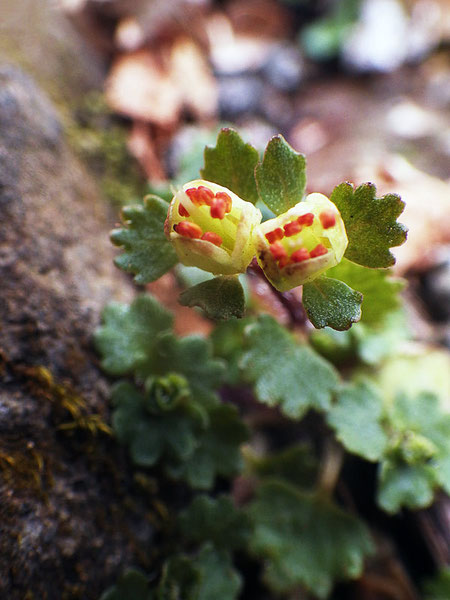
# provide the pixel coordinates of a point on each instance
(277, 251)
(187, 229)
(284, 260)
(328, 219)
(292, 228)
(300, 255)
(226, 198)
(276, 234)
(319, 250)
(212, 237)
(201, 195)
(218, 208)
(182, 211)
(306, 219)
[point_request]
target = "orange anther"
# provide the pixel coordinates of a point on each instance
(300, 255)
(319, 250)
(306, 219)
(201, 195)
(277, 250)
(284, 260)
(212, 237)
(292, 228)
(218, 208)
(276, 234)
(182, 211)
(187, 229)
(226, 198)
(328, 219)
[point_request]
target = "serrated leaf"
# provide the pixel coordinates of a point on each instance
(216, 520)
(218, 577)
(331, 303)
(221, 298)
(147, 252)
(295, 464)
(305, 539)
(371, 224)
(132, 585)
(286, 373)
(402, 485)
(217, 450)
(150, 437)
(281, 177)
(127, 338)
(380, 292)
(356, 417)
(232, 163)
(191, 357)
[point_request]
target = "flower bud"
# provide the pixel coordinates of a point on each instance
(301, 244)
(211, 228)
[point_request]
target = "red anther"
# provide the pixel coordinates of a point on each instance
(328, 219)
(212, 237)
(292, 228)
(226, 198)
(277, 251)
(306, 219)
(276, 234)
(319, 250)
(218, 208)
(201, 195)
(284, 260)
(300, 255)
(187, 229)
(182, 210)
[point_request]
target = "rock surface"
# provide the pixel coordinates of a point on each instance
(64, 531)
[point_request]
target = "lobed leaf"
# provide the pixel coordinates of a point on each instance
(305, 539)
(147, 254)
(281, 177)
(132, 585)
(356, 417)
(286, 373)
(371, 224)
(127, 338)
(331, 303)
(221, 298)
(380, 291)
(232, 163)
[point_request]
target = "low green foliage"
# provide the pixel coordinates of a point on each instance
(132, 585)
(221, 298)
(331, 303)
(281, 176)
(438, 588)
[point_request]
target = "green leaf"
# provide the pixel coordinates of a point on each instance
(128, 335)
(147, 252)
(216, 520)
(151, 435)
(286, 373)
(180, 580)
(305, 539)
(221, 298)
(438, 588)
(380, 292)
(231, 163)
(356, 418)
(370, 223)
(217, 450)
(132, 585)
(402, 485)
(332, 303)
(228, 341)
(296, 464)
(218, 577)
(281, 177)
(190, 356)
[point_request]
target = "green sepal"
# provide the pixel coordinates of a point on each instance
(221, 298)
(147, 254)
(305, 539)
(281, 177)
(331, 303)
(232, 163)
(371, 224)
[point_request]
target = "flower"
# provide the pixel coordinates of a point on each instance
(302, 243)
(211, 228)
